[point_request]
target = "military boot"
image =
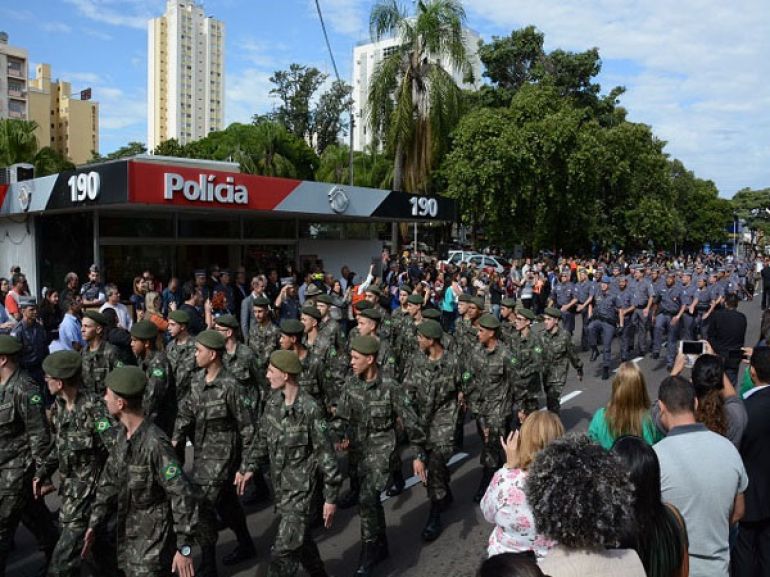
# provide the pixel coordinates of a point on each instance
(433, 526)
(242, 552)
(398, 484)
(371, 554)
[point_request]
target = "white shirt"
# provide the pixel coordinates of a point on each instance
(753, 390)
(124, 319)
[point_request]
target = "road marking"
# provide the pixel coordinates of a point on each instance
(635, 361)
(569, 397)
(414, 480)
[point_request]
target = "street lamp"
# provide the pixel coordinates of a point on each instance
(735, 234)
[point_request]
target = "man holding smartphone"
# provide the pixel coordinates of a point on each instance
(727, 332)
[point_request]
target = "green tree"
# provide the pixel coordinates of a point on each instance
(330, 116)
(413, 102)
(131, 149)
(18, 142)
(170, 147)
(49, 161)
(750, 205)
(370, 168)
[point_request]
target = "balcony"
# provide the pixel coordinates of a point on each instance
(15, 114)
(16, 71)
(17, 93)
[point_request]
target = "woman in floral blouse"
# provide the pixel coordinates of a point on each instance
(504, 503)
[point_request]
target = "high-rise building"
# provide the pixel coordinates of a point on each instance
(186, 74)
(367, 55)
(13, 80)
(68, 125)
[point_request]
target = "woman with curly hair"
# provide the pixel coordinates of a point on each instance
(659, 534)
(627, 413)
(504, 502)
(582, 498)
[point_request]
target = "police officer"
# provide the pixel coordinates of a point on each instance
(669, 299)
(643, 296)
(626, 310)
(604, 319)
(434, 382)
(159, 396)
(99, 357)
(558, 354)
(585, 293)
(564, 297)
(220, 419)
(701, 308)
(143, 482)
(294, 435)
(82, 437)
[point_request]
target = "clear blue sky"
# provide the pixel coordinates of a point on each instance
(696, 70)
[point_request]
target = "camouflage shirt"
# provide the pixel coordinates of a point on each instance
(96, 365)
(263, 340)
(24, 435)
(159, 400)
(222, 426)
(181, 358)
(492, 373)
(296, 440)
(157, 507)
(82, 439)
(558, 354)
(242, 364)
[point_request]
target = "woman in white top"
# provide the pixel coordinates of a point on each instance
(505, 503)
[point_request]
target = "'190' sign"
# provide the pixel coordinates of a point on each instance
(424, 206)
(84, 186)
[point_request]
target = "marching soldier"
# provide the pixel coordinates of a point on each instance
(604, 319)
(565, 298)
(558, 354)
(507, 317)
(99, 356)
(181, 359)
(669, 299)
(294, 436)
(688, 303)
(626, 310)
(585, 295)
(527, 362)
(263, 339)
(159, 397)
(702, 308)
(143, 482)
(643, 295)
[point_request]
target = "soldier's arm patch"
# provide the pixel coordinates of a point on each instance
(514, 360)
(160, 373)
(467, 376)
(102, 425)
(171, 471)
(119, 364)
(538, 349)
(35, 399)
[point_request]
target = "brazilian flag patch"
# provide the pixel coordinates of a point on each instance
(171, 471)
(333, 352)
(160, 373)
(102, 425)
(35, 399)
(466, 376)
(514, 360)
(119, 364)
(538, 350)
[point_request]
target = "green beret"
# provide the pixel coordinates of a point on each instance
(62, 364)
(478, 302)
(312, 291)
(311, 312)
(374, 290)
(145, 330)
(9, 345)
(464, 298)
(180, 317)
(260, 301)
(430, 329)
(372, 313)
(508, 303)
(365, 345)
(228, 321)
(406, 287)
(292, 327)
(127, 381)
(286, 361)
(97, 317)
(489, 321)
(526, 313)
(324, 298)
(362, 305)
(552, 312)
(431, 313)
(211, 340)
(414, 299)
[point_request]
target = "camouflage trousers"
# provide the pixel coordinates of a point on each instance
(438, 472)
(373, 472)
(294, 545)
(492, 454)
(222, 500)
(66, 561)
(527, 393)
(553, 391)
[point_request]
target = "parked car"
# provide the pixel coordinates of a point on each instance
(496, 263)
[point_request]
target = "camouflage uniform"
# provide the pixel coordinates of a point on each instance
(558, 354)
(96, 365)
(508, 332)
(82, 439)
(433, 387)
(296, 440)
(242, 364)
(221, 419)
(319, 379)
(159, 402)
(24, 440)
(263, 340)
(371, 409)
(528, 366)
(157, 506)
(181, 359)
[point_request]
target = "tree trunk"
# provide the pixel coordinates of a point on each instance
(398, 168)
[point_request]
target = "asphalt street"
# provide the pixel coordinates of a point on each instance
(461, 546)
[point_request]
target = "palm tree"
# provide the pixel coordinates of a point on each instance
(268, 152)
(414, 103)
(18, 142)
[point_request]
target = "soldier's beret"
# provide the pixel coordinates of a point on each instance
(128, 381)
(286, 361)
(431, 313)
(9, 345)
(213, 340)
(260, 301)
(606, 279)
(311, 312)
(552, 312)
(324, 298)
(96, 316)
(228, 321)
(508, 303)
(526, 313)
(414, 299)
(372, 313)
(375, 290)
(478, 302)
(430, 329)
(363, 305)
(144, 330)
(312, 291)
(464, 298)
(292, 327)
(180, 317)
(406, 287)
(489, 321)
(62, 364)
(366, 345)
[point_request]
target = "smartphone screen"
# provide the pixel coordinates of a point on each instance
(692, 347)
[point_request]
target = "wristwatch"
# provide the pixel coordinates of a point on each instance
(185, 550)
